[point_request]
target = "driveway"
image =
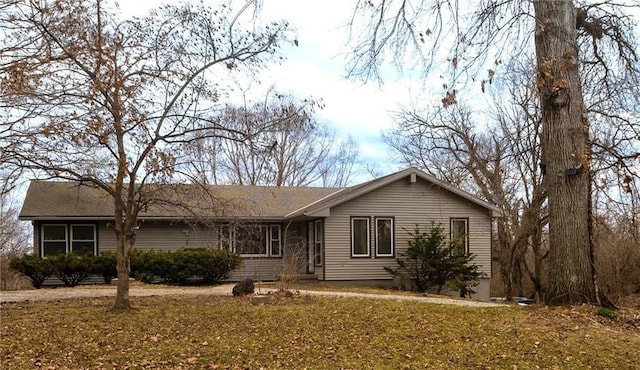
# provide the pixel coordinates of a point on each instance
(53, 294)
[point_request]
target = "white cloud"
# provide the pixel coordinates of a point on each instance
(316, 68)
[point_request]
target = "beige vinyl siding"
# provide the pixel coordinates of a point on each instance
(152, 235)
(172, 236)
(409, 204)
(258, 268)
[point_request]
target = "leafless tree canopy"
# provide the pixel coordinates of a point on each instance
(92, 98)
(495, 155)
(573, 42)
(297, 149)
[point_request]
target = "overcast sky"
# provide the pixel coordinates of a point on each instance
(316, 68)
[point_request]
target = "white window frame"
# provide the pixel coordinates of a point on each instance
(42, 239)
(226, 233)
(392, 241)
(368, 231)
(264, 231)
(71, 238)
(453, 237)
(318, 243)
(277, 240)
(229, 233)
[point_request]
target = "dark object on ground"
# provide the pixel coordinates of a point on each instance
(243, 287)
(466, 292)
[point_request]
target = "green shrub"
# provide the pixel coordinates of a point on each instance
(208, 265)
(605, 312)
(183, 266)
(105, 265)
(72, 268)
(148, 265)
(431, 262)
(219, 263)
(33, 267)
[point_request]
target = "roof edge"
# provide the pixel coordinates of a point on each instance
(386, 180)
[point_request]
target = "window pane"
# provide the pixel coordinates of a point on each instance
(54, 232)
(225, 237)
(384, 237)
(82, 232)
(53, 248)
(251, 240)
(318, 244)
(360, 237)
(459, 235)
(319, 231)
(275, 240)
(82, 247)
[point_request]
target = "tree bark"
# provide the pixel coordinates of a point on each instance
(123, 267)
(565, 154)
(124, 242)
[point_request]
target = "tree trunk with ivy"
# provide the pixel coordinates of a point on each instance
(565, 154)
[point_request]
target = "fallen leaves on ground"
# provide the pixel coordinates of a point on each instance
(211, 332)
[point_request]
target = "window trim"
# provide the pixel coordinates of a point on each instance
(71, 239)
(228, 237)
(318, 243)
(392, 239)
(265, 235)
(231, 236)
(368, 232)
(43, 240)
(68, 227)
(465, 246)
(271, 240)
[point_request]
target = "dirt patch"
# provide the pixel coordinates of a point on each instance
(52, 294)
(143, 290)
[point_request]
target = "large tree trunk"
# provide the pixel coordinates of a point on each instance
(565, 154)
(123, 267)
(124, 242)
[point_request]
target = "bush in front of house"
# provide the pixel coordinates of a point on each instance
(72, 268)
(432, 262)
(105, 266)
(149, 265)
(212, 265)
(184, 266)
(33, 267)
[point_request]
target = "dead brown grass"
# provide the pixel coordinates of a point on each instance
(298, 331)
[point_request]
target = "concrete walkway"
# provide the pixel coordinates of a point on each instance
(53, 294)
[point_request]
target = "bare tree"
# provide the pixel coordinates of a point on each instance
(297, 150)
(497, 160)
(105, 102)
(404, 30)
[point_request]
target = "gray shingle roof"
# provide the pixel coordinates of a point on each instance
(69, 200)
(54, 199)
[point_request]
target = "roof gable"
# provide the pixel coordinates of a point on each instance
(348, 194)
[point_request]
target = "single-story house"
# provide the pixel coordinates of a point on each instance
(331, 234)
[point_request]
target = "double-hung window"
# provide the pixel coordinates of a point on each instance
(318, 240)
(460, 235)
(384, 237)
(225, 237)
(275, 240)
(54, 240)
(64, 238)
(83, 239)
(360, 237)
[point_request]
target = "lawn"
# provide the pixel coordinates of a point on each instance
(215, 332)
